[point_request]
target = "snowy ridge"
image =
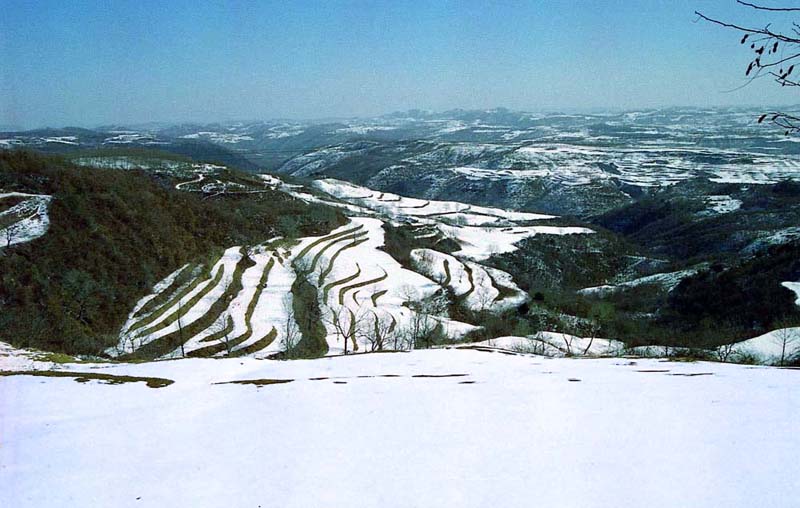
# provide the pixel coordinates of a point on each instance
(481, 231)
(668, 280)
(400, 206)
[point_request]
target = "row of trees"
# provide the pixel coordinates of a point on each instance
(379, 330)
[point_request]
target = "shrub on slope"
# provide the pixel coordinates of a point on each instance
(113, 234)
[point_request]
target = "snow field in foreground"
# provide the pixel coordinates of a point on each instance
(525, 431)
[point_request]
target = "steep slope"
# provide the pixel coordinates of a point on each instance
(112, 235)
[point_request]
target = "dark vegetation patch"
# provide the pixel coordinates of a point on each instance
(670, 223)
(559, 262)
(399, 241)
(440, 375)
(738, 295)
(113, 235)
(745, 299)
(83, 377)
(309, 319)
(257, 382)
(10, 202)
(343, 291)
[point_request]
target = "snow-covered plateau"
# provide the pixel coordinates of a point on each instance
(447, 427)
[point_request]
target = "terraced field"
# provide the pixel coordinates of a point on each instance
(243, 304)
(477, 286)
(207, 315)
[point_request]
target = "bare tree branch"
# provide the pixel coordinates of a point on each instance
(764, 8)
(770, 50)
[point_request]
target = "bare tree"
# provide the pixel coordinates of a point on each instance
(291, 330)
(725, 351)
(409, 294)
(227, 327)
(420, 328)
(788, 339)
(302, 266)
(534, 344)
(180, 327)
(347, 324)
(250, 251)
(10, 232)
(773, 55)
(591, 328)
(568, 339)
(484, 297)
(381, 332)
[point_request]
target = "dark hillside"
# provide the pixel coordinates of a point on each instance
(113, 234)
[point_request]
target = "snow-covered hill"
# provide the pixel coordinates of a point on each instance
(243, 304)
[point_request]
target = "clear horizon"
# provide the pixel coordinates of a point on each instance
(323, 120)
(105, 63)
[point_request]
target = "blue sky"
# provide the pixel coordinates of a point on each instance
(90, 63)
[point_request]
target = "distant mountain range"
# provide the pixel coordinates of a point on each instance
(574, 164)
